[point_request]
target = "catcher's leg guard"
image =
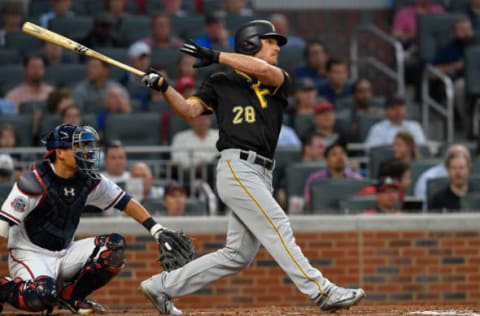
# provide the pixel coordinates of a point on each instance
(105, 262)
(34, 295)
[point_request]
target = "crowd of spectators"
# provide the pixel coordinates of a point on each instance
(327, 109)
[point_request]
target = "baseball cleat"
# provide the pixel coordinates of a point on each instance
(83, 307)
(340, 298)
(160, 300)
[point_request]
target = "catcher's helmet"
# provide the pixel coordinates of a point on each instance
(247, 38)
(82, 140)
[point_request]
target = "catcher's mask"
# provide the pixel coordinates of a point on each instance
(83, 142)
(247, 38)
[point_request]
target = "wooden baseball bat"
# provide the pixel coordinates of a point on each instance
(62, 41)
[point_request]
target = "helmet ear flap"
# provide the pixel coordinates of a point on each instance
(252, 45)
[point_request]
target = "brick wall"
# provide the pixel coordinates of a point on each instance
(393, 267)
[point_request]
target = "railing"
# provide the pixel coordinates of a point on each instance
(396, 74)
(428, 102)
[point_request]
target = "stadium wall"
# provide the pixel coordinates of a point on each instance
(396, 259)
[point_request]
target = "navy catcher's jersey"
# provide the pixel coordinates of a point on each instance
(249, 114)
(44, 210)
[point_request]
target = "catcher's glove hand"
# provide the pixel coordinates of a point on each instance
(176, 249)
(206, 55)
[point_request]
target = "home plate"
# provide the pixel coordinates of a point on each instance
(450, 312)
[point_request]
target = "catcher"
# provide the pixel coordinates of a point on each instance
(41, 214)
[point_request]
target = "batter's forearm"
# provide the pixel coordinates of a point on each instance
(266, 73)
(180, 106)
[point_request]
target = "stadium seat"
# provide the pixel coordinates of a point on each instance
(90, 120)
(30, 106)
(65, 75)
(168, 58)
(290, 58)
(472, 71)
(154, 206)
(358, 204)
(399, 4)
(133, 129)
(460, 6)
(365, 122)
(11, 76)
(296, 176)
(135, 27)
(188, 27)
(376, 156)
(303, 124)
(417, 167)
(88, 7)
(9, 56)
(327, 194)
(23, 127)
(283, 157)
(233, 22)
(38, 7)
(75, 27)
(434, 185)
(196, 207)
(5, 188)
(48, 123)
(120, 54)
(23, 43)
(159, 107)
(176, 124)
(434, 32)
(470, 202)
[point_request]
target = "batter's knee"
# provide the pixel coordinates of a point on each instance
(239, 258)
(111, 250)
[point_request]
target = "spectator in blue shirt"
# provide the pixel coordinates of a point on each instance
(315, 55)
(336, 85)
(216, 35)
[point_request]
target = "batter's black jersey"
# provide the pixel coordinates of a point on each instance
(249, 114)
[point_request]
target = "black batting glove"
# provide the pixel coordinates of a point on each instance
(155, 80)
(206, 56)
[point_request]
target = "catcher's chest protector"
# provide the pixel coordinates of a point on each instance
(52, 224)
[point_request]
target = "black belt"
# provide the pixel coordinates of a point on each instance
(264, 162)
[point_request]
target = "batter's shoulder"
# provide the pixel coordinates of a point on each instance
(29, 184)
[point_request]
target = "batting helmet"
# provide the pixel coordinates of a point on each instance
(247, 38)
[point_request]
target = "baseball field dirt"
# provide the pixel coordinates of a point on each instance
(364, 309)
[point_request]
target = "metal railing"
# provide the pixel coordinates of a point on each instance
(428, 103)
(397, 74)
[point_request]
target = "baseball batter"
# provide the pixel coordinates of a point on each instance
(248, 102)
(40, 216)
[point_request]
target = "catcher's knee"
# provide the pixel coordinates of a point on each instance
(111, 251)
(34, 295)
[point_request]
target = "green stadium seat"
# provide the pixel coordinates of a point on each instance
(48, 123)
(65, 75)
(9, 56)
(399, 4)
(90, 120)
(470, 202)
(358, 204)
(284, 156)
(327, 194)
(30, 106)
(290, 58)
(133, 129)
(195, 207)
(23, 43)
(460, 6)
(168, 58)
(120, 54)
(472, 71)
(434, 32)
(154, 206)
(188, 27)
(233, 22)
(417, 167)
(135, 27)
(434, 185)
(159, 107)
(176, 124)
(38, 7)
(74, 27)
(376, 156)
(11, 76)
(23, 127)
(365, 122)
(296, 176)
(303, 124)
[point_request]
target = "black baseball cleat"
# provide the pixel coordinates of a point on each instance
(338, 298)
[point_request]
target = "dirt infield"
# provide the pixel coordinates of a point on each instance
(383, 310)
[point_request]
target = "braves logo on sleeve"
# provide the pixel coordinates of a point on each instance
(18, 204)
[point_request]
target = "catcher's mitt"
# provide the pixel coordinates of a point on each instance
(176, 249)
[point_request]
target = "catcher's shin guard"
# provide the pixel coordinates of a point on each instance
(33, 295)
(105, 262)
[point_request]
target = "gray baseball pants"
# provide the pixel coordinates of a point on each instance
(255, 219)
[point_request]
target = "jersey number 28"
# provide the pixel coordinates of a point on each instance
(242, 114)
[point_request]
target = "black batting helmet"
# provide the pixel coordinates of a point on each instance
(247, 38)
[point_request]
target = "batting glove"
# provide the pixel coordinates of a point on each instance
(206, 56)
(155, 80)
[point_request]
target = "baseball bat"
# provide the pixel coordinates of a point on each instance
(62, 41)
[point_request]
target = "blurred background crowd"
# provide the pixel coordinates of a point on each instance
(389, 127)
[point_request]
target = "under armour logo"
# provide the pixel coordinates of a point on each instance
(69, 191)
